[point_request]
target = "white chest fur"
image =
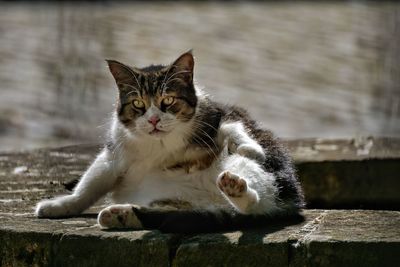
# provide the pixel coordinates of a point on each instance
(148, 178)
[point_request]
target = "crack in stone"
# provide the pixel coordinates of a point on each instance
(71, 231)
(309, 229)
(302, 236)
(173, 246)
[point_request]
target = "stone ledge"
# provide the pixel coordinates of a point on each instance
(351, 149)
(325, 238)
(28, 241)
(349, 173)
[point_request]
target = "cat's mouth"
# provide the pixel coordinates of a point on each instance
(156, 131)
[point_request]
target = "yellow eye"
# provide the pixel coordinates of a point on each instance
(138, 103)
(168, 100)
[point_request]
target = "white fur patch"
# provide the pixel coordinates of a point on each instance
(238, 141)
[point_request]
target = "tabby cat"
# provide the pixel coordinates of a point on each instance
(179, 162)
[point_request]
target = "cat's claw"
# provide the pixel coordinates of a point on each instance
(231, 184)
(119, 216)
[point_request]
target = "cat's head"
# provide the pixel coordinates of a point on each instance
(155, 100)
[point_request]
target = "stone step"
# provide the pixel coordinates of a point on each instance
(325, 238)
(349, 173)
(333, 172)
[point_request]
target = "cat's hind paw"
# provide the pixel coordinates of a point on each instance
(251, 151)
(119, 217)
(231, 184)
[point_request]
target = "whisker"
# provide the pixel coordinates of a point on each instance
(165, 83)
(207, 135)
(206, 124)
(135, 89)
(171, 80)
(134, 76)
(115, 151)
(176, 73)
(212, 154)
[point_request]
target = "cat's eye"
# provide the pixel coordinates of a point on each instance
(138, 103)
(168, 100)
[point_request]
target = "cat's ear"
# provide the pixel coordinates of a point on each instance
(122, 73)
(184, 65)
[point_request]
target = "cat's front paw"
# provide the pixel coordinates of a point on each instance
(53, 208)
(252, 151)
(231, 184)
(119, 216)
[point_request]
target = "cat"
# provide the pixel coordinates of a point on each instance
(177, 161)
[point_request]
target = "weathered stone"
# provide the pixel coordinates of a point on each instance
(325, 238)
(28, 241)
(353, 149)
(43, 173)
(267, 246)
(372, 184)
(349, 173)
(350, 238)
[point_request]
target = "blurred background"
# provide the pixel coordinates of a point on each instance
(303, 69)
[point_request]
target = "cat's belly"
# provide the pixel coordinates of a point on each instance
(198, 188)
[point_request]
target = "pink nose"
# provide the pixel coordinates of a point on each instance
(154, 120)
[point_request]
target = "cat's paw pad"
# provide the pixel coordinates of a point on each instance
(252, 151)
(231, 184)
(119, 216)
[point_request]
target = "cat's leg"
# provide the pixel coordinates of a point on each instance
(238, 141)
(247, 186)
(96, 182)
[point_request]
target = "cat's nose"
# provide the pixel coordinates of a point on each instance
(154, 120)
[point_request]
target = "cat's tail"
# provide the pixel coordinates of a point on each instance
(203, 221)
